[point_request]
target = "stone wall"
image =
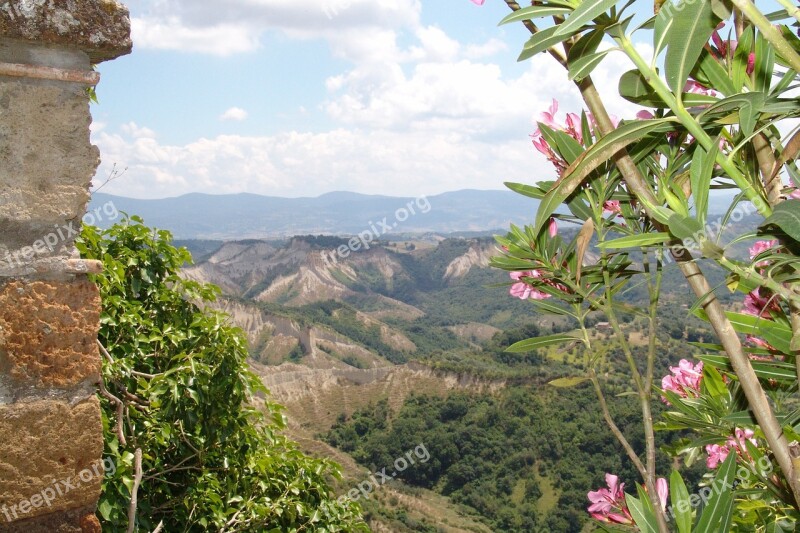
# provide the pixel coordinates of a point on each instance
(51, 438)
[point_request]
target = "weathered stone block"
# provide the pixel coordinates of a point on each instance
(73, 521)
(49, 460)
(48, 164)
(101, 28)
(48, 332)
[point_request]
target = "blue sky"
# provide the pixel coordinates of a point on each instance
(287, 98)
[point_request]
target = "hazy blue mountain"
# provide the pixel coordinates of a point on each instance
(241, 216)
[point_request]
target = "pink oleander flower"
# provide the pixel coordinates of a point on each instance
(541, 145)
(662, 488)
(740, 435)
(795, 194)
(694, 87)
(684, 381)
(608, 505)
(761, 246)
(718, 453)
(477, 2)
(549, 117)
(522, 290)
(612, 206)
(759, 343)
(728, 47)
(725, 46)
(645, 115)
(760, 306)
(572, 128)
(593, 123)
(552, 230)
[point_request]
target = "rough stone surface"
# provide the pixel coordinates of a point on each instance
(51, 450)
(26, 53)
(101, 28)
(51, 435)
(47, 166)
(73, 521)
(48, 332)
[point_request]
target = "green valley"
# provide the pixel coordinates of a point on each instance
(399, 345)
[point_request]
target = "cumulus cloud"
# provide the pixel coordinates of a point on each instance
(416, 112)
(234, 113)
(297, 164)
(135, 131)
(171, 33)
(235, 26)
(456, 93)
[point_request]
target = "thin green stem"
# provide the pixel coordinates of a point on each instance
(768, 283)
(699, 284)
(654, 289)
(601, 398)
(643, 388)
(637, 462)
(771, 33)
(608, 309)
(691, 124)
(792, 9)
(701, 288)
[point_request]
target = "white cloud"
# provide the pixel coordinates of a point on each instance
(234, 113)
(487, 49)
(137, 132)
(298, 164)
(420, 117)
(462, 95)
(235, 26)
(171, 34)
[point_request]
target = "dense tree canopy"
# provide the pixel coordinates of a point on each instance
(178, 398)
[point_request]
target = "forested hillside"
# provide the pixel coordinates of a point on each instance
(506, 448)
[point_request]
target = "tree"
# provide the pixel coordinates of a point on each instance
(195, 447)
(714, 117)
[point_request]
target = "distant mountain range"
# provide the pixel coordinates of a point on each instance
(252, 216)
